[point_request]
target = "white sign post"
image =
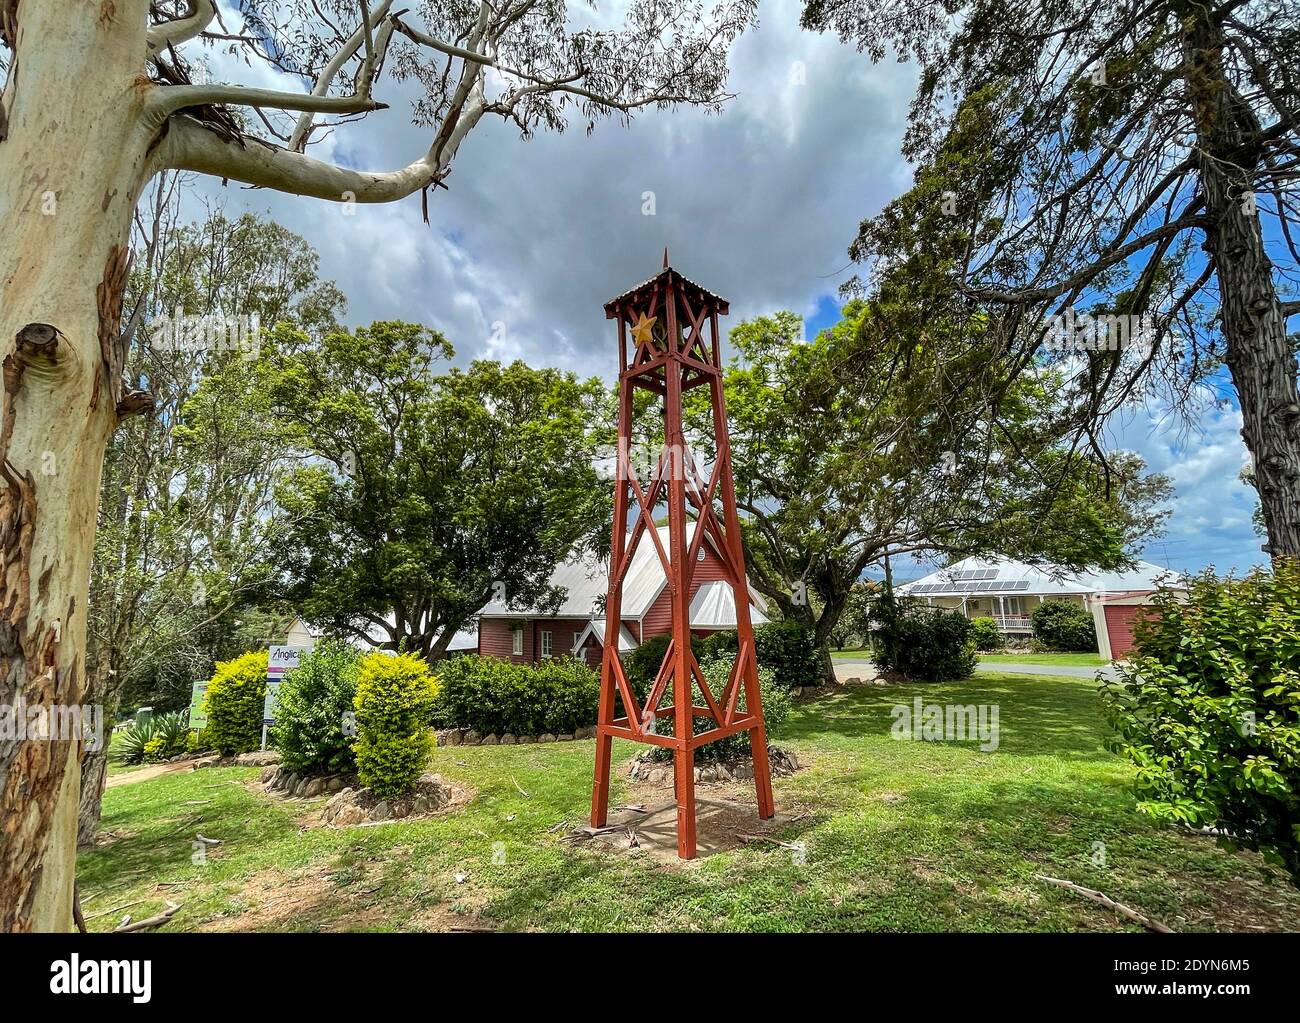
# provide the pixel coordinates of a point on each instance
(280, 660)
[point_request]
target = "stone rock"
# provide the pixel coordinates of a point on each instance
(380, 811)
(564, 737)
(508, 739)
(657, 776)
(420, 804)
(527, 738)
(300, 789)
(349, 815)
(744, 771)
(470, 737)
(258, 758)
(490, 739)
(401, 808)
(315, 787)
(698, 774)
(334, 784)
(288, 782)
(546, 737)
(429, 778)
(453, 737)
(792, 760)
(268, 774)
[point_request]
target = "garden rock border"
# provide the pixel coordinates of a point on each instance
(469, 737)
(352, 806)
(656, 772)
(280, 781)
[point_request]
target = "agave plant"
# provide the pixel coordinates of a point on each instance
(172, 727)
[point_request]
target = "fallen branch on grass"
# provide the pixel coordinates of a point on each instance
(116, 909)
(147, 922)
(1108, 902)
(747, 839)
(206, 841)
(519, 787)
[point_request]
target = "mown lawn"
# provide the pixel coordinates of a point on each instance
(899, 836)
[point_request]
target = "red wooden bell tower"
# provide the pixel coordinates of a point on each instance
(674, 347)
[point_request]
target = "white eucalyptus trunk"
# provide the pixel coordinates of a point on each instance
(77, 154)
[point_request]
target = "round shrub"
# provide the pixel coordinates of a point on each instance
(1209, 710)
(395, 695)
(984, 632)
(788, 649)
(314, 715)
(1064, 625)
(923, 643)
(234, 701)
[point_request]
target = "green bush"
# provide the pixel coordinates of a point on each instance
(395, 694)
(777, 703)
(314, 714)
(984, 632)
(234, 702)
(1064, 625)
(785, 647)
(1209, 710)
(494, 696)
(930, 644)
(788, 649)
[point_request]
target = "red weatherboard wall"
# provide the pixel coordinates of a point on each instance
(1120, 619)
(495, 638)
(659, 619)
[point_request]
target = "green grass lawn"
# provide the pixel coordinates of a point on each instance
(856, 654)
(1081, 660)
(899, 836)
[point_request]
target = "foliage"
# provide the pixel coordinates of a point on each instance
(394, 698)
(495, 696)
(158, 737)
(234, 702)
(853, 623)
(1061, 624)
(784, 647)
(314, 713)
(927, 644)
(1209, 710)
(985, 634)
(427, 495)
(716, 669)
(1100, 160)
(837, 468)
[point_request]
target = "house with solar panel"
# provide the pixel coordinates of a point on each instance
(1008, 591)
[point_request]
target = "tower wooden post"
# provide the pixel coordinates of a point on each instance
(674, 348)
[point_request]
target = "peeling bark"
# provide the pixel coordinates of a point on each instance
(74, 163)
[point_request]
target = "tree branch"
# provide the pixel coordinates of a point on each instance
(173, 33)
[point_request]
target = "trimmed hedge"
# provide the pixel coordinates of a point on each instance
(395, 694)
(494, 696)
(314, 712)
(234, 701)
(1065, 625)
(1209, 710)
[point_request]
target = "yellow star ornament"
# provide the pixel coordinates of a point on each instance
(641, 330)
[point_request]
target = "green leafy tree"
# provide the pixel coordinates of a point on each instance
(836, 469)
(1064, 625)
(1134, 163)
(425, 496)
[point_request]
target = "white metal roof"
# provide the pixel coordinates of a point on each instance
(1005, 577)
(596, 627)
(714, 607)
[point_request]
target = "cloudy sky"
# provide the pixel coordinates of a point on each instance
(758, 203)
